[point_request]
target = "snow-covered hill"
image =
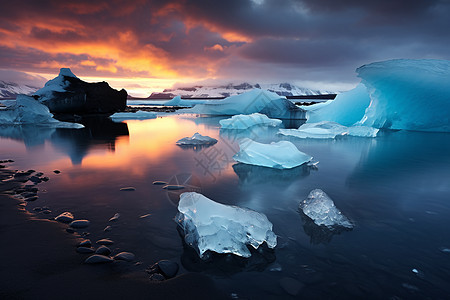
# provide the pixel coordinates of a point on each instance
(11, 89)
(282, 89)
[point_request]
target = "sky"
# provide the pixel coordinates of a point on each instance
(148, 45)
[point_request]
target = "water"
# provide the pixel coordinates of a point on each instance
(396, 188)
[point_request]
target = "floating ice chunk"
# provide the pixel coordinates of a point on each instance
(328, 130)
(197, 139)
(250, 102)
(27, 110)
(281, 155)
(177, 101)
(247, 121)
(346, 109)
(139, 115)
(320, 208)
(57, 84)
(209, 225)
(408, 94)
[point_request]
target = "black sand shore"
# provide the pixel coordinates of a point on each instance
(38, 261)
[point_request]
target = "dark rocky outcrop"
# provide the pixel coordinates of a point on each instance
(71, 95)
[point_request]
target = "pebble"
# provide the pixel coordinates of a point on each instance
(291, 285)
(159, 182)
(156, 277)
(166, 267)
(128, 189)
(105, 242)
(79, 224)
(56, 171)
(103, 250)
(85, 250)
(85, 243)
(65, 217)
(115, 217)
(107, 228)
(173, 187)
(98, 259)
(126, 256)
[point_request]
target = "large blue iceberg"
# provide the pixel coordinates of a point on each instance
(395, 94)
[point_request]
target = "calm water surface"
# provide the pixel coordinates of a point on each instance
(396, 188)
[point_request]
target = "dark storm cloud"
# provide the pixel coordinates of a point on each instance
(195, 36)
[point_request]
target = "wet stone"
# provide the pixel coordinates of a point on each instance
(47, 211)
(85, 243)
(70, 230)
(45, 179)
(35, 179)
(79, 224)
(56, 171)
(98, 259)
(115, 217)
(159, 182)
(103, 250)
(166, 267)
(65, 217)
(128, 189)
(126, 256)
(105, 242)
(107, 228)
(85, 250)
(31, 199)
(173, 187)
(37, 208)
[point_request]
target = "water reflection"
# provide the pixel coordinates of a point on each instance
(253, 175)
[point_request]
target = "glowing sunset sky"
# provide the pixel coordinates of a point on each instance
(145, 46)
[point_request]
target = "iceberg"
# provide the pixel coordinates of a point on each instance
(395, 94)
(247, 121)
(328, 130)
(280, 155)
(139, 115)
(321, 209)
(197, 139)
(254, 101)
(407, 94)
(213, 226)
(27, 110)
(346, 109)
(177, 101)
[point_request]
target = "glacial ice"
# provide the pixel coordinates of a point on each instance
(197, 139)
(346, 109)
(139, 115)
(408, 94)
(177, 101)
(254, 101)
(247, 121)
(328, 130)
(321, 209)
(57, 84)
(280, 155)
(27, 110)
(395, 94)
(209, 225)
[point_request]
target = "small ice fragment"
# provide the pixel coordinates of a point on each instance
(247, 121)
(320, 208)
(139, 115)
(209, 225)
(281, 155)
(197, 139)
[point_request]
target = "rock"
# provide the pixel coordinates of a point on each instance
(85, 234)
(85, 250)
(56, 171)
(85, 243)
(107, 228)
(105, 242)
(98, 259)
(47, 211)
(145, 216)
(103, 250)
(166, 267)
(115, 217)
(28, 194)
(79, 224)
(70, 230)
(173, 187)
(159, 182)
(127, 256)
(45, 179)
(65, 217)
(31, 199)
(37, 208)
(291, 285)
(128, 189)
(80, 97)
(156, 277)
(35, 179)
(39, 174)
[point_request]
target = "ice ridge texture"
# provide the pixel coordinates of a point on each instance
(197, 139)
(240, 122)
